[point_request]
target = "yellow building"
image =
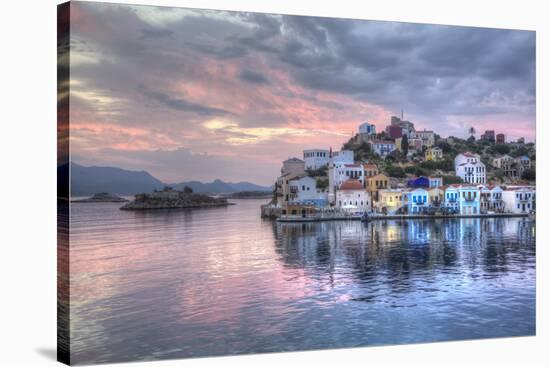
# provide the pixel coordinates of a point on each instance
(375, 183)
(435, 196)
(389, 201)
(433, 154)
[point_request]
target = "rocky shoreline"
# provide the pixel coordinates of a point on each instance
(173, 200)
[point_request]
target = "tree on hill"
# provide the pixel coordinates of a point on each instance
(394, 171)
(449, 180)
(187, 190)
(472, 132)
(499, 149)
(405, 145)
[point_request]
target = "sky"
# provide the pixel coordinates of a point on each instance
(190, 94)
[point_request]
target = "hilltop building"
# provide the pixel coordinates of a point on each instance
(489, 135)
(433, 154)
(367, 128)
(501, 139)
(427, 137)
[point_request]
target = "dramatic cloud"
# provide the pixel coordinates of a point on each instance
(193, 94)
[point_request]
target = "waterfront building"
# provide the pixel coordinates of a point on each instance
(340, 172)
(436, 197)
(468, 200)
(433, 154)
(389, 201)
(451, 198)
(382, 147)
(491, 198)
(352, 196)
(416, 200)
(376, 183)
(519, 199)
(283, 187)
(316, 158)
(370, 169)
(303, 191)
(501, 139)
(427, 137)
(470, 169)
(367, 128)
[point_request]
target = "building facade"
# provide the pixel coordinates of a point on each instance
(390, 201)
(451, 198)
(433, 154)
(382, 147)
(316, 158)
(352, 196)
(519, 200)
(367, 128)
(304, 191)
(427, 137)
(468, 200)
(417, 200)
(470, 169)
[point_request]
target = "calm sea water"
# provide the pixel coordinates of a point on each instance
(209, 282)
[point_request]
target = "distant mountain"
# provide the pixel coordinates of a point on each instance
(91, 180)
(86, 181)
(218, 186)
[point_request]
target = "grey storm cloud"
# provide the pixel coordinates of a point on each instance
(184, 105)
(420, 67)
(253, 77)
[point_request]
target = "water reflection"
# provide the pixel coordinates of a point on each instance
(173, 284)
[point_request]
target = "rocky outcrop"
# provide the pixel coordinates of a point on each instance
(102, 197)
(172, 199)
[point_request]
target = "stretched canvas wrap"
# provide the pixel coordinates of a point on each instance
(234, 183)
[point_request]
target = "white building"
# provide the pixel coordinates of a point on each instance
(342, 157)
(469, 200)
(470, 169)
(366, 128)
(451, 198)
(491, 198)
(316, 158)
(382, 147)
(345, 172)
(427, 137)
(304, 191)
(519, 199)
(352, 196)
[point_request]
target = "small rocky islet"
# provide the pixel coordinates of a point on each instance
(102, 197)
(173, 199)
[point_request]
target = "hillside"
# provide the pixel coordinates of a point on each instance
(86, 181)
